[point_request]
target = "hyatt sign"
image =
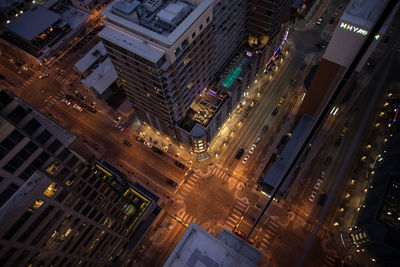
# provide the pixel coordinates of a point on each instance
(352, 28)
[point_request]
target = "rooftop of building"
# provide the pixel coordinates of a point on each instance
(131, 43)
(197, 247)
(363, 13)
(39, 19)
(62, 134)
(277, 171)
(91, 57)
(160, 20)
(102, 77)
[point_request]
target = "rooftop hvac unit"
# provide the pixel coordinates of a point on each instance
(152, 5)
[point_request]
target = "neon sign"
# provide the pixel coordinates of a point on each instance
(353, 28)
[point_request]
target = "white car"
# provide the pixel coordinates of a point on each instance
(323, 173)
(318, 184)
(120, 127)
(245, 159)
(77, 107)
(312, 196)
(319, 21)
(43, 75)
(253, 147)
(258, 139)
(148, 144)
(67, 102)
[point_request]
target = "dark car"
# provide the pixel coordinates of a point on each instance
(303, 66)
(264, 130)
(322, 199)
(239, 154)
(332, 20)
(180, 165)
(322, 44)
(172, 183)
(127, 143)
(139, 139)
(338, 142)
(157, 150)
(275, 111)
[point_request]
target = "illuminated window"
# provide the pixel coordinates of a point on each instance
(71, 180)
(36, 205)
(52, 169)
(51, 189)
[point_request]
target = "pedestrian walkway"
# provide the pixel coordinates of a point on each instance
(191, 182)
(235, 214)
(20, 89)
(54, 99)
(186, 219)
(220, 173)
(270, 230)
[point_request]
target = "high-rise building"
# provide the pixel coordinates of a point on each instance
(179, 60)
(355, 24)
(56, 207)
(265, 21)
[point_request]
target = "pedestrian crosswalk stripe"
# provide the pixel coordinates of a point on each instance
(233, 220)
(236, 210)
(191, 183)
(230, 223)
(235, 215)
(241, 204)
(188, 185)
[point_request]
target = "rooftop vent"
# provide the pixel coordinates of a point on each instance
(152, 5)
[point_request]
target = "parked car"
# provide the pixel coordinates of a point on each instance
(180, 165)
(322, 199)
(281, 101)
(264, 130)
(77, 107)
(323, 173)
(119, 127)
(317, 184)
(322, 44)
(320, 20)
(312, 196)
(43, 75)
(239, 154)
(258, 139)
(148, 144)
(275, 111)
(138, 138)
(127, 143)
(246, 158)
(157, 150)
(67, 102)
(253, 147)
(172, 183)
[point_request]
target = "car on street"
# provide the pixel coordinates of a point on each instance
(332, 20)
(275, 111)
(138, 138)
(312, 196)
(157, 150)
(252, 148)
(303, 66)
(127, 143)
(258, 139)
(320, 20)
(148, 144)
(180, 165)
(338, 142)
(172, 183)
(265, 128)
(77, 107)
(239, 154)
(246, 158)
(317, 185)
(119, 127)
(322, 199)
(344, 130)
(323, 173)
(43, 75)
(322, 44)
(281, 101)
(67, 102)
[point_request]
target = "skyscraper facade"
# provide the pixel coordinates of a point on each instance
(55, 207)
(170, 55)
